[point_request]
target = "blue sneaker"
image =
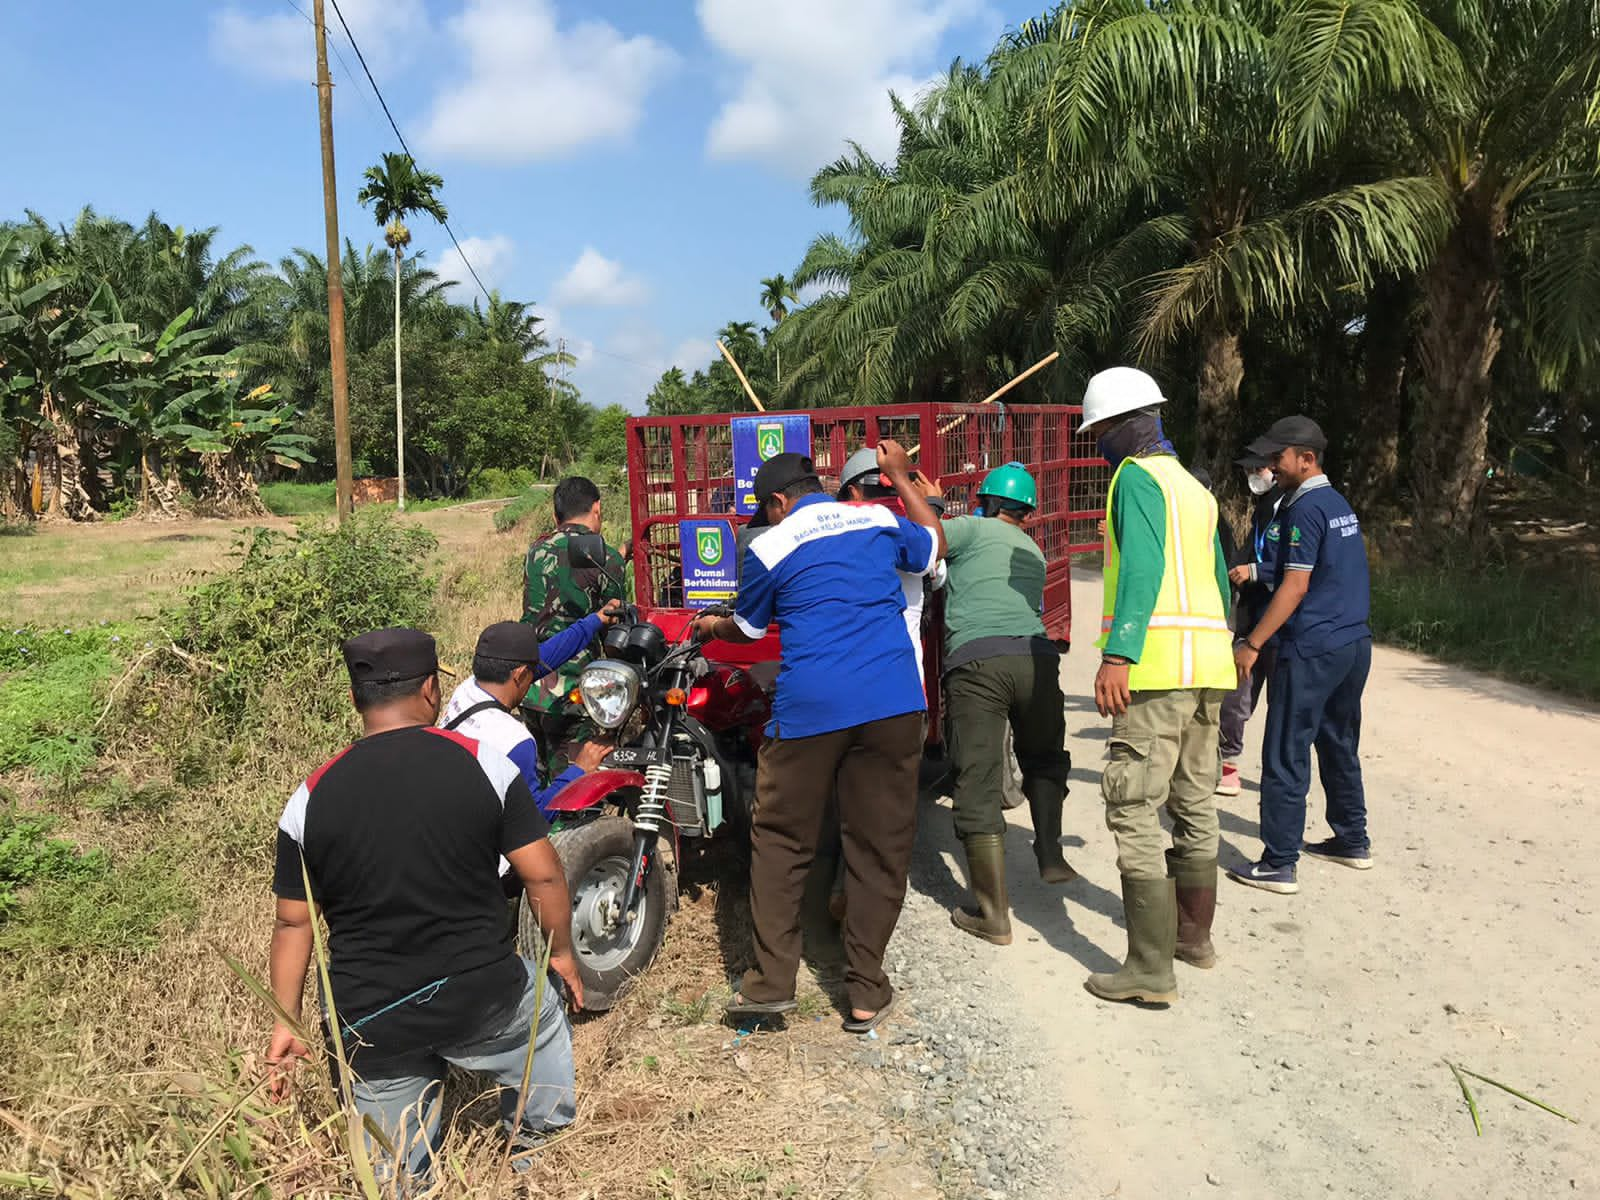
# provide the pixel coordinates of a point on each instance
(1268, 879)
(1335, 851)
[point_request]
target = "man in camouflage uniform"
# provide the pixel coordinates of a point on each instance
(555, 596)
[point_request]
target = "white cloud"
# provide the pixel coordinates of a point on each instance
(599, 281)
(534, 90)
(624, 365)
(269, 41)
(558, 330)
(818, 74)
(692, 354)
(489, 256)
(814, 291)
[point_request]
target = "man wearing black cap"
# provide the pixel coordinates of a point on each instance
(509, 660)
(1247, 564)
(847, 717)
(1318, 614)
(399, 836)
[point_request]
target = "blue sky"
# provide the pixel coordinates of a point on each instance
(634, 167)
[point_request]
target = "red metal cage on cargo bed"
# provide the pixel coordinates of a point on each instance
(682, 467)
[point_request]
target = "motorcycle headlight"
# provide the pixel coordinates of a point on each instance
(609, 690)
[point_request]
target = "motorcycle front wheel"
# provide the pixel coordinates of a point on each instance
(597, 857)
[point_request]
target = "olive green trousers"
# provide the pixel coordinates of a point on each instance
(982, 699)
(1163, 753)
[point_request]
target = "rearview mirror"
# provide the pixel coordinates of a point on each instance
(586, 550)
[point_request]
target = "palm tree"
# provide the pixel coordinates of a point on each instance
(510, 323)
(776, 291)
(1505, 141)
(1183, 113)
(952, 280)
(396, 188)
(672, 396)
(295, 353)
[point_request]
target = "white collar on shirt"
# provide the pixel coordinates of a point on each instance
(1310, 485)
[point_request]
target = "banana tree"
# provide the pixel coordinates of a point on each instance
(235, 441)
(159, 387)
(395, 189)
(55, 358)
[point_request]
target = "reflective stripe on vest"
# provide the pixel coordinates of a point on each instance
(1187, 640)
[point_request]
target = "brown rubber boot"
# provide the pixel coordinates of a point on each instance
(1196, 887)
(1044, 803)
(986, 869)
(1150, 908)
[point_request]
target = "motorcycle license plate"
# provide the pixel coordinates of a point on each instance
(637, 756)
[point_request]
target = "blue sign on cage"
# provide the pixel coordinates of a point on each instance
(710, 563)
(756, 439)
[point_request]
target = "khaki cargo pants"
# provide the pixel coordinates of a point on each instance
(1163, 751)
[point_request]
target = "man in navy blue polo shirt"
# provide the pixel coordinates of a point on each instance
(847, 718)
(1317, 564)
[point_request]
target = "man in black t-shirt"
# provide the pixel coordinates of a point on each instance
(401, 836)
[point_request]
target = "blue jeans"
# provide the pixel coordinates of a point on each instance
(1314, 702)
(402, 1094)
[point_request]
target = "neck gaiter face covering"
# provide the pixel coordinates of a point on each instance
(1139, 434)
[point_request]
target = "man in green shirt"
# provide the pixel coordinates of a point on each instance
(1166, 664)
(556, 595)
(1001, 670)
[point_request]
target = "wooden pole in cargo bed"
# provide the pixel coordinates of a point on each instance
(748, 390)
(991, 397)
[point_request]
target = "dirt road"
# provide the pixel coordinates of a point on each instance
(1308, 1062)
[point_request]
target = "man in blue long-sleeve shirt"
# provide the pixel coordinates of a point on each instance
(508, 661)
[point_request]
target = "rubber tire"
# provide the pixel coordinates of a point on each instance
(580, 849)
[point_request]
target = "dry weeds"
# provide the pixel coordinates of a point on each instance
(137, 1075)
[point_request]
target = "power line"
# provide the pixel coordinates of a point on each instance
(350, 76)
(376, 91)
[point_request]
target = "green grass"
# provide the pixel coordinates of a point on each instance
(29, 855)
(36, 562)
(531, 504)
(104, 907)
(1536, 625)
(51, 699)
(298, 499)
(317, 499)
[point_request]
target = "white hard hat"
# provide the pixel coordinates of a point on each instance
(1115, 391)
(858, 466)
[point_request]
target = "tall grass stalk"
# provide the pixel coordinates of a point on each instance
(355, 1130)
(1472, 1105)
(1466, 1092)
(527, 1064)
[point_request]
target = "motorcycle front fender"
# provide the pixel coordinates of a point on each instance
(593, 789)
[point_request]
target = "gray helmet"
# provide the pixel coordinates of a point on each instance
(862, 463)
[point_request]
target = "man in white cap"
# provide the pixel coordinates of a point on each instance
(1166, 664)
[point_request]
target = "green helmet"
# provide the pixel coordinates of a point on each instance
(1010, 482)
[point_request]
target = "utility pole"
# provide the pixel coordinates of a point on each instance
(330, 206)
(561, 378)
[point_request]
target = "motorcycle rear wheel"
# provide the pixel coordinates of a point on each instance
(597, 856)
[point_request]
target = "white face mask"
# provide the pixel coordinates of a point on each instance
(1260, 482)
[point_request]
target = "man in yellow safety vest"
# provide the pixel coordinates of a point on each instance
(1166, 665)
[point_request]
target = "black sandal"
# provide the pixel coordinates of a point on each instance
(854, 1024)
(740, 1007)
